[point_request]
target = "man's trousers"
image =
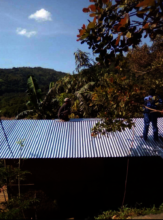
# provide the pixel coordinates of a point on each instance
(150, 117)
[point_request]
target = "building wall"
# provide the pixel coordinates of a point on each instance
(85, 185)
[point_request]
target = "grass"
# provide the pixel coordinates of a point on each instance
(127, 213)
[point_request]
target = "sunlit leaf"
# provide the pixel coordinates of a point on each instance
(153, 25)
(122, 23)
(85, 35)
(146, 26)
(146, 3)
(94, 20)
(82, 34)
(100, 10)
(83, 26)
(91, 25)
(92, 8)
(92, 15)
(118, 39)
(82, 31)
(105, 1)
(86, 10)
(128, 35)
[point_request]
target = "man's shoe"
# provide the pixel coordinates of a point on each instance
(161, 138)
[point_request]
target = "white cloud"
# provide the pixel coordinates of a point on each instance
(41, 15)
(26, 33)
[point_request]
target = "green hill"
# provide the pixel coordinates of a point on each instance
(13, 84)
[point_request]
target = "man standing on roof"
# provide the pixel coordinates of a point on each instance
(65, 110)
(149, 116)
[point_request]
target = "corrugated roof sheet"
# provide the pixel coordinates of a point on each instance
(56, 139)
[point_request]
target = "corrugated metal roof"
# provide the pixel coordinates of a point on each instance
(56, 139)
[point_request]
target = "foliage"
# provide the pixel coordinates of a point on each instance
(126, 212)
(113, 31)
(15, 207)
(75, 109)
(9, 175)
(93, 88)
(35, 96)
(82, 60)
(83, 95)
(13, 103)
(78, 88)
(62, 96)
(25, 205)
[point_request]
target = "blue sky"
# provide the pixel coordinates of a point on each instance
(41, 33)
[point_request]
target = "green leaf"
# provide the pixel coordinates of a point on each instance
(31, 85)
(28, 103)
(51, 85)
(91, 25)
(33, 91)
(128, 35)
(84, 36)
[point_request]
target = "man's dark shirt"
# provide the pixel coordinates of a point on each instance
(149, 102)
(64, 111)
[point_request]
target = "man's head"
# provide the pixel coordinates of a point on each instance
(67, 101)
(152, 92)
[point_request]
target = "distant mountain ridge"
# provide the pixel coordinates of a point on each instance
(13, 84)
(15, 80)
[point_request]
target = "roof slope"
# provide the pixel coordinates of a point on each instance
(56, 139)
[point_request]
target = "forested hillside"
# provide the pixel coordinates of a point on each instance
(13, 84)
(15, 79)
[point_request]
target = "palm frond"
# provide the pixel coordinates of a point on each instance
(51, 85)
(33, 91)
(23, 114)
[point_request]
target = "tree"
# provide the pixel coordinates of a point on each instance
(35, 96)
(77, 87)
(113, 31)
(82, 60)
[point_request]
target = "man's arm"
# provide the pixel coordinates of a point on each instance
(61, 110)
(159, 103)
(65, 112)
